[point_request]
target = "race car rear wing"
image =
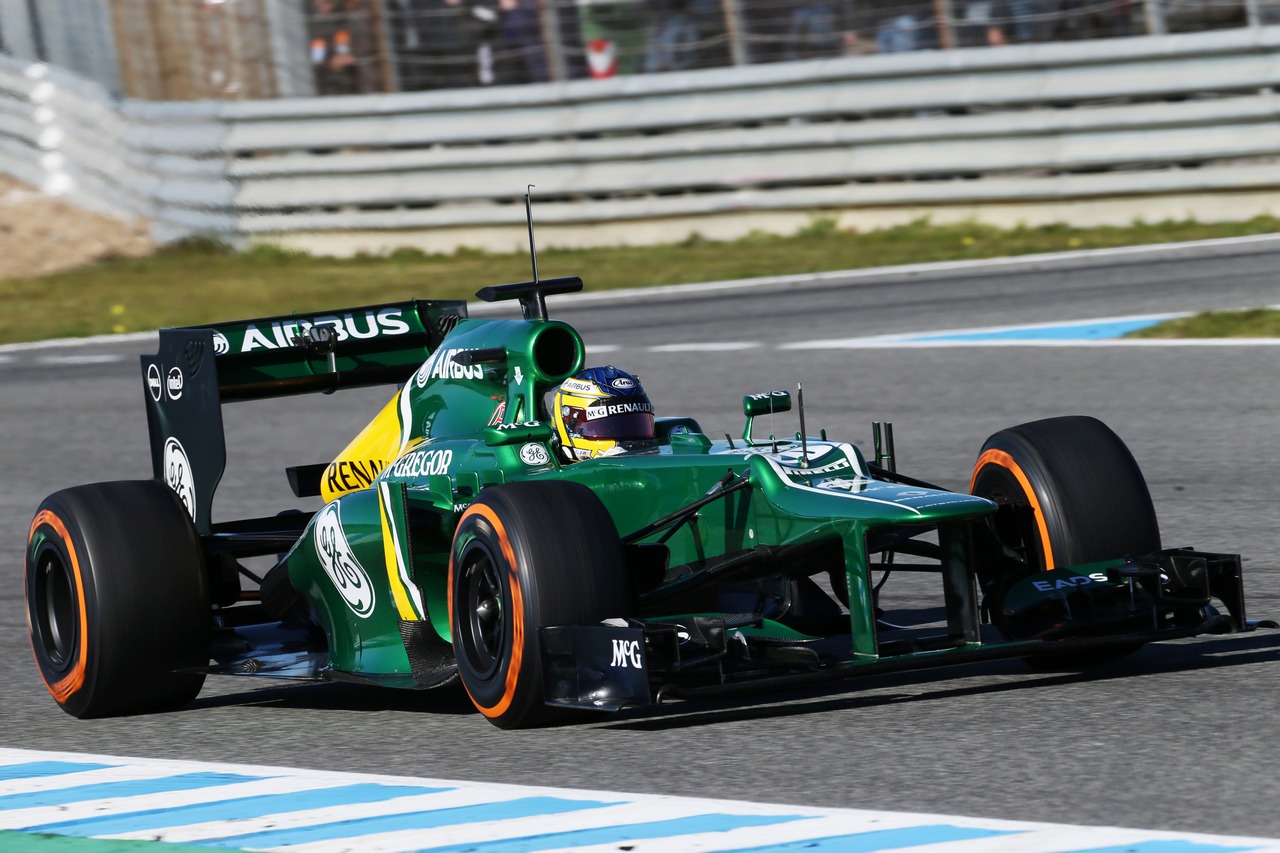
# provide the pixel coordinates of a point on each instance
(197, 369)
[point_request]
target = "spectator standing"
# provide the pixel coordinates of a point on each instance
(673, 37)
(329, 37)
(713, 42)
(904, 26)
(684, 34)
(1115, 18)
(520, 58)
(451, 39)
(342, 56)
(817, 30)
(406, 24)
(488, 33)
(983, 24)
(1030, 20)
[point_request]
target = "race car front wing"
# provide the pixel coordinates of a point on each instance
(638, 662)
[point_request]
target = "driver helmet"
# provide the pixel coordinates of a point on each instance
(597, 411)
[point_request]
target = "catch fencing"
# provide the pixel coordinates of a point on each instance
(169, 50)
(1140, 118)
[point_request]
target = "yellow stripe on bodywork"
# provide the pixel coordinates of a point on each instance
(406, 597)
(368, 454)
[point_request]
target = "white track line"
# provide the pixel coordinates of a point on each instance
(467, 814)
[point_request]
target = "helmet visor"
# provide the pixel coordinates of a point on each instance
(632, 426)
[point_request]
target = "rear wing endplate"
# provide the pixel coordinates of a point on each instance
(197, 369)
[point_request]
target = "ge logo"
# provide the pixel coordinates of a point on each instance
(177, 473)
(534, 454)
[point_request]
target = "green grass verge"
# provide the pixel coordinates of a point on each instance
(1251, 323)
(201, 282)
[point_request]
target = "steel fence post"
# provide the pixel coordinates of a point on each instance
(1153, 14)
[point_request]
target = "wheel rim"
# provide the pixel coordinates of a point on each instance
(1011, 532)
(55, 609)
(484, 628)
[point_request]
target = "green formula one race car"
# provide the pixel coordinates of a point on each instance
(475, 531)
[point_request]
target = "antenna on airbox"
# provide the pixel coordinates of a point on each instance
(532, 294)
(528, 215)
(804, 441)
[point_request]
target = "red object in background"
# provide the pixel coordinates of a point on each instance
(602, 58)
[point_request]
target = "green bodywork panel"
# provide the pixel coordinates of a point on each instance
(473, 415)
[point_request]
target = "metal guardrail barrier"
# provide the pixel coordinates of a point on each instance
(1145, 117)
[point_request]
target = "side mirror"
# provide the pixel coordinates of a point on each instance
(767, 403)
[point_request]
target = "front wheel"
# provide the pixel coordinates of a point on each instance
(1070, 493)
(526, 556)
(1089, 498)
(117, 599)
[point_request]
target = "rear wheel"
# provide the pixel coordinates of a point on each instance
(1071, 493)
(527, 556)
(117, 599)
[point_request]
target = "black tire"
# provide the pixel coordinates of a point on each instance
(117, 599)
(527, 556)
(1090, 499)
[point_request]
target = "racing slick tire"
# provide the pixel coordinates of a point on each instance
(117, 599)
(1090, 499)
(1087, 497)
(525, 556)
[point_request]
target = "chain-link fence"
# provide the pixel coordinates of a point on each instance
(241, 49)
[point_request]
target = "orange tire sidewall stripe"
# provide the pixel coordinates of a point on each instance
(67, 686)
(517, 614)
(1003, 460)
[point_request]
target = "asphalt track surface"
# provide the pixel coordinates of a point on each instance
(1178, 736)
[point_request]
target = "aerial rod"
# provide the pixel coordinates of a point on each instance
(804, 441)
(528, 215)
